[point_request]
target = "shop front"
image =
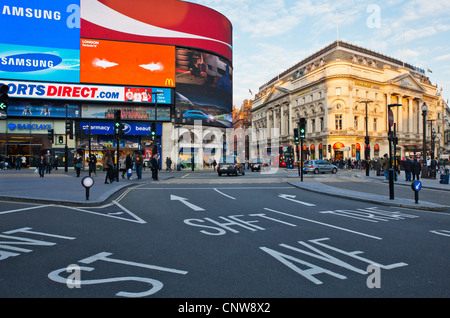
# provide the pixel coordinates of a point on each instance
(27, 137)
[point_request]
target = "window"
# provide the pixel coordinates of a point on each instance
(313, 125)
(338, 122)
(375, 124)
(321, 123)
(338, 91)
(355, 122)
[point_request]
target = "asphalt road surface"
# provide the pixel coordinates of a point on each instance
(223, 238)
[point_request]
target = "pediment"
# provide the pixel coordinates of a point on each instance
(408, 82)
(275, 93)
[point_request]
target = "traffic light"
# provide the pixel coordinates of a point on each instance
(366, 140)
(329, 148)
(118, 125)
(296, 138)
(69, 128)
(153, 132)
(50, 134)
(60, 139)
(4, 97)
(302, 128)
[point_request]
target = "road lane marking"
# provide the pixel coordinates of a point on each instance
(226, 195)
(24, 209)
(185, 202)
(325, 224)
(291, 198)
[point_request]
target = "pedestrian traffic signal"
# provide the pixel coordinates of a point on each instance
(296, 138)
(302, 128)
(119, 127)
(50, 134)
(69, 128)
(153, 132)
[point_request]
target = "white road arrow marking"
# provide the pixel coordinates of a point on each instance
(291, 198)
(184, 201)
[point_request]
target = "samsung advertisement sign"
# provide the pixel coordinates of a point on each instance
(45, 44)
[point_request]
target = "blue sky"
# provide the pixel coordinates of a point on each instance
(270, 36)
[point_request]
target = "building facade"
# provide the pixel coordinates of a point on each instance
(81, 61)
(336, 89)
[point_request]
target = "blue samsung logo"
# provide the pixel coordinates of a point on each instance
(29, 62)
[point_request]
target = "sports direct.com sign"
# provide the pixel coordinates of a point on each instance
(84, 92)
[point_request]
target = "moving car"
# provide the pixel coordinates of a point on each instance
(230, 165)
(255, 164)
(191, 115)
(319, 166)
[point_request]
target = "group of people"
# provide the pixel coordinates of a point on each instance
(126, 164)
(45, 164)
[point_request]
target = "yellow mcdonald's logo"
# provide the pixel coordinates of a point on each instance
(169, 82)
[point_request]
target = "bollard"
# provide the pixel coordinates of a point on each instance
(87, 183)
(416, 186)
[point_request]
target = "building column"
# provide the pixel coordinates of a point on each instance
(410, 116)
(399, 119)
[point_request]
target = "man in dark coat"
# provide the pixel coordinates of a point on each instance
(155, 166)
(416, 170)
(408, 165)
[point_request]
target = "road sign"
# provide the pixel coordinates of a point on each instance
(391, 118)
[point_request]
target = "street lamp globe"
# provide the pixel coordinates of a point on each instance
(424, 107)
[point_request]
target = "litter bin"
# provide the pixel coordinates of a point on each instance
(444, 179)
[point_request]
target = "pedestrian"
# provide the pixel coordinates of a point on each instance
(214, 164)
(92, 164)
(154, 165)
(129, 166)
(48, 162)
(408, 166)
(385, 165)
(138, 162)
(168, 164)
(41, 166)
(55, 163)
(122, 165)
(24, 161)
(108, 167)
(78, 163)
(18, 162)
(416, 170)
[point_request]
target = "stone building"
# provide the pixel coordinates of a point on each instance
(331, 89)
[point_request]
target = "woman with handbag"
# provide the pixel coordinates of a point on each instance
(78, 162)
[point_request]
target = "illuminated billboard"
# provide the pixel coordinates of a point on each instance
(125, 63)
(204, 88)
(172, 22)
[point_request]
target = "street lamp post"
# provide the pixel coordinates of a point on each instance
(424, 153)
(366, 139)
(391, 139)
(155, 147)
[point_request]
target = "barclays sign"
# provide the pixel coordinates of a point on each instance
(20, 126)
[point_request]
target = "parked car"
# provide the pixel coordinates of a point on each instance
(319, 166)
(255, 164)
(230, 165)
(191, 115)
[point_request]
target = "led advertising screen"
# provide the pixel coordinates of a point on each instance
(49, 23)
(204, 88)
(101, 93)
(126, 113)
(39, 108)
(41, 40)
(24, 62)
(172, 22)
(126, 63)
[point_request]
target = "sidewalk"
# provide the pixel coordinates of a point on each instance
(60, 187)
(313, 185)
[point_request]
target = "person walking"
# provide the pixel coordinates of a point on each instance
(48, 162)
(168, 164)
(214, 164)
(92, 164)
(122, 166)
(108, 167)
(138, 162)
(41, 166)
(385, 165)
(78, 163)
(416, 170)
(129, 166)
(155, 166)
(408, 165)
(18, 162)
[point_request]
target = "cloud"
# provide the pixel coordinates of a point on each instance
(442, 58)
